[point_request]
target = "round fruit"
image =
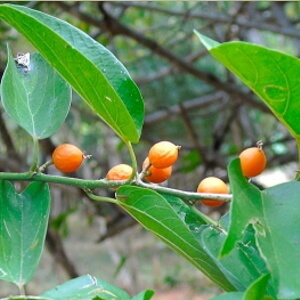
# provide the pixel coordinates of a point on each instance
(253, 161)
(67, 158)
(212, 185)
(163, 154)
(156, 175)
(119, 172)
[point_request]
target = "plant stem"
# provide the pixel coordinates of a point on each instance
(190, 197)
(44, 166)
(100, 198)
(77, 182)
(206, 218)
(21, 288)
(35, 155)
(85, 184)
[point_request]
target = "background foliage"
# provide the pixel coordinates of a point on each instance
(190, 99)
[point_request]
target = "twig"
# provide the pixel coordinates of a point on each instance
(216, 18)
(193, 134)
(189, 197)
(189, 105)
(115, 27)
(55, 246)
(88, 185)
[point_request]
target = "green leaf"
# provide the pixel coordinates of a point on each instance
(230, 296)
(155, 213)
(275, 218)
(206, 41)
(144, 295)
(86, 287)
(37, 98)
(242, 266)
(257, 289)
(25, 298)
(23, 225)
(241, 189)
(271, 74)
(93, 71)
(192, 218)
(238, 296)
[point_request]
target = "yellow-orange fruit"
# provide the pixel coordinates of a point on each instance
(163, 154)
(119, 172)
(67, 158)
(156, 175)
(253, 161)
(212, 185)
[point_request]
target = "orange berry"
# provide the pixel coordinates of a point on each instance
(156, 175)
(67, 158)
(212, 185)
(163, 154)
(119, 172)
(253, 161)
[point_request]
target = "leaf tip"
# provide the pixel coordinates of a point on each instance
(207, 42)
(226, 249)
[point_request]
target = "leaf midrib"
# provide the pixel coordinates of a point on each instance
(108, 118)
(192, 259)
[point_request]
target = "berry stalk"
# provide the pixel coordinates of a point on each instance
(134, 163)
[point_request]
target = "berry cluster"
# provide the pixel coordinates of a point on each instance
(157, 166)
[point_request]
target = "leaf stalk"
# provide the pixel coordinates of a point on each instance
(35, 155)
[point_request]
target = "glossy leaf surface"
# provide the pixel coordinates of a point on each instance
(242, 266)
(275, 218)
(155, 213)
(93, 71)
(23, 225)
(230, 296)
(25, 298)
(271, 74)
(86, 288)
(35, 97)
(257, 289)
